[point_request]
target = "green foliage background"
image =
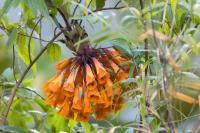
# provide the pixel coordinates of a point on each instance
(175, 39)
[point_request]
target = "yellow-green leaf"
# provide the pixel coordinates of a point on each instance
(23, 50)
(5, 7)
(12, 37)
(54, 51)
(86, 126)
(173, 5)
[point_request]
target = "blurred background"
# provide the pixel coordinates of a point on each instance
(45, 66)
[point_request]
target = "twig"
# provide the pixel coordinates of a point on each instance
(11, 85)
(13, 93)
(29, 42)
(87, 7)
(6, 30)
(72, 22)
(146, 92)
(40, 34)
(40, 39)
(65, 19)
(33, 92)
(104, 9)
(13, 64)
(89, 3)
(76, 8)
(109, 8)
(117, 3)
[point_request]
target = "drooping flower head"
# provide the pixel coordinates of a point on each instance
(84, 83)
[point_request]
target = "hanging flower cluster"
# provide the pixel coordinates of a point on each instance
(84, 84)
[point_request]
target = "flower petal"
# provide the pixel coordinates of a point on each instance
(89, 75)
(77, 103)
(101, 72)
(63, 64)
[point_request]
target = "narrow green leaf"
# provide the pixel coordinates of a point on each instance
(86, 126)
(6, 7)
(100, 3)
(130, 74)
(38, 6)
(196, 49)
(12, 37)
(11, 129)
(54, 51)
(142, 108)
(173, 5)
(43, 8)
(16, 3)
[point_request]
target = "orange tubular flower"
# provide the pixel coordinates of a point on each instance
(77, 103)
(84, 84)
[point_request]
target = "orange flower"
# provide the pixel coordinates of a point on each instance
(77, 103)
(90, 79)
(65, 108)
(121, 75)
(87, 105)
(93, 94)
(63, 64)
(68, 86)
(101, 72)
(84, 85)
(46, 86)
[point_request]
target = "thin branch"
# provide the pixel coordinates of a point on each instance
(65, 19)
(109, 8)
(89, 3)
(87, 7)
(146, 92)
(146, 58)
(11, 85)
(105, 9)
(75, 10)
(64, 30)
(40, 39)
(13, 63)
(29, 42)
(6, 30)
(33, 92)
(13, 93)
(117, 3)
(40, 34)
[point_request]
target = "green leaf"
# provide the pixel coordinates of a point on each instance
(142, 108)
(43, 8)
(12, 37)
(86, 126)
(54, 51)
(38, 6)
(72, 123)
(11, 129)
(16, 3)
(6, 7)
(100, 3)
(58, 3)
(23, 50)
(59, 122)
(196, 49)
(152, 121)
(8, 73)
(173, 5)
(130, 74)
(123, 45)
